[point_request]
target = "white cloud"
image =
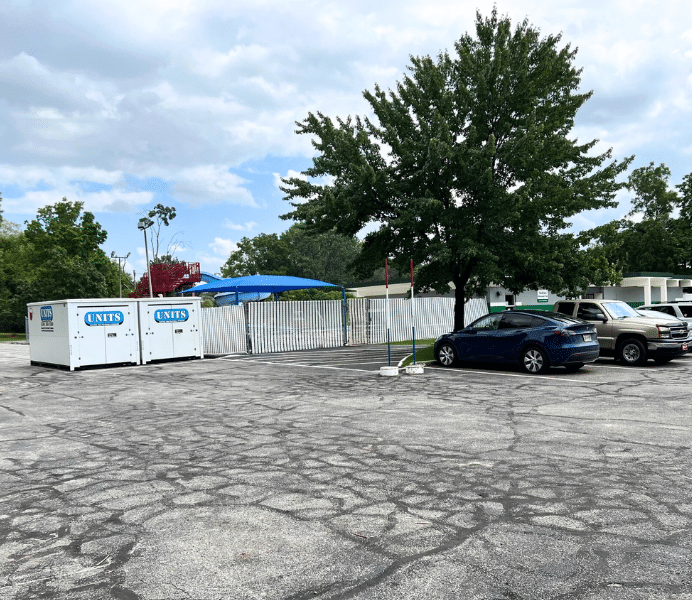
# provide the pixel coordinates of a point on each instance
(108, 201)
(223, 247)
(228, 224)
(211, 184)
(289, 175)
(64, 183)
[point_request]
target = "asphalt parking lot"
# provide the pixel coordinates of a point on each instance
(308, 475)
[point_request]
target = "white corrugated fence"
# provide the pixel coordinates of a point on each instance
(261, 327)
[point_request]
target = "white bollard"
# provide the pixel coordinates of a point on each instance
(414, 370)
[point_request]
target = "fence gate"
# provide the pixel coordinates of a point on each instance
(284, 326)
(224, 330)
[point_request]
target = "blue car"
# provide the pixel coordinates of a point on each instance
(533, 339)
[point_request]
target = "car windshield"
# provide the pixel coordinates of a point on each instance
(622, 310)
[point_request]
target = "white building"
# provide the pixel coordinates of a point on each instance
(635, 289)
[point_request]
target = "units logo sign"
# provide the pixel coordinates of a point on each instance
(47, 318)
(104, 317)
(171, 315)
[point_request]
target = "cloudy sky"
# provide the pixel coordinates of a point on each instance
(192, 103)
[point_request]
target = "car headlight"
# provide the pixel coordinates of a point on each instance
(663, 332)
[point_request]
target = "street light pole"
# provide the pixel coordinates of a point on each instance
(144, 224)
(120, 272)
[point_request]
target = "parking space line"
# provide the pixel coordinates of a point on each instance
(632, 368)
(504, 374)
(267, 362)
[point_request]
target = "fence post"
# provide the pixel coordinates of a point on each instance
(344, 313)
(248, 337)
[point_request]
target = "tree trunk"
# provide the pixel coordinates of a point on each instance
(459, 302)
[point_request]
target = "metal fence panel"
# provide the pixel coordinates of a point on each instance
(358, 321)
(285, 326)
(434, 316)
(223, 330)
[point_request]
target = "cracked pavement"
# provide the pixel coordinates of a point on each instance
(237, 479)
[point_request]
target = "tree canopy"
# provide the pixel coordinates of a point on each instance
(158, 217)
(466, 167)
(325, 256)
(56, 257)
(650, 238)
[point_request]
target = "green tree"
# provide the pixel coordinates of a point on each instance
(161, 216)
(652, 197)
(15, 268)
(325, 256)
(63, 225)
(66, 260)
(264, 254)
(467, 166)
(649, 239)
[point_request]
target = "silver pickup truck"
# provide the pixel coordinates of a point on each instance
(627, 335)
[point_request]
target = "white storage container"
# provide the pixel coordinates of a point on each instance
(78, 333)
(170, 328)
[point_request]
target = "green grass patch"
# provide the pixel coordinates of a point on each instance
(12, 337)
(424, 354)
(421, 343)
(424, 351)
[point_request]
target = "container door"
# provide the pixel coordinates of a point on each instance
(119, 335)
(184, 330)
(159, 331)
(91, 336)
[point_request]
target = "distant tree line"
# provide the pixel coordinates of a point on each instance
(656, 235)
(57, 256)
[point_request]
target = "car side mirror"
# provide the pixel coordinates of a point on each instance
(468, 330)
(601, 318)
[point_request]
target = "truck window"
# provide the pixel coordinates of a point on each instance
(589, 312)
(686, 310)
(566, 308)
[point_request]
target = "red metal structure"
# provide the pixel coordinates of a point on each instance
(167, 278)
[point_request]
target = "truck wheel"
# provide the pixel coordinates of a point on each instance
(631, 352)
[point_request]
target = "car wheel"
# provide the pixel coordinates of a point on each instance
(534, 360)
(573, 367)
(446, 355)
(632, 352)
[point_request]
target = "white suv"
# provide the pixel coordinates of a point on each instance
(680, 310)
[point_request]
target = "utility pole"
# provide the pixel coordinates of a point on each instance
(120, 271)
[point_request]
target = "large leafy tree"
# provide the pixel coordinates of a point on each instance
(263, 254)
(649, 238)
(56, 257)
(466, 166)
(325, 256)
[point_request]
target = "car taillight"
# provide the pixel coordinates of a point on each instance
(563, 333)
